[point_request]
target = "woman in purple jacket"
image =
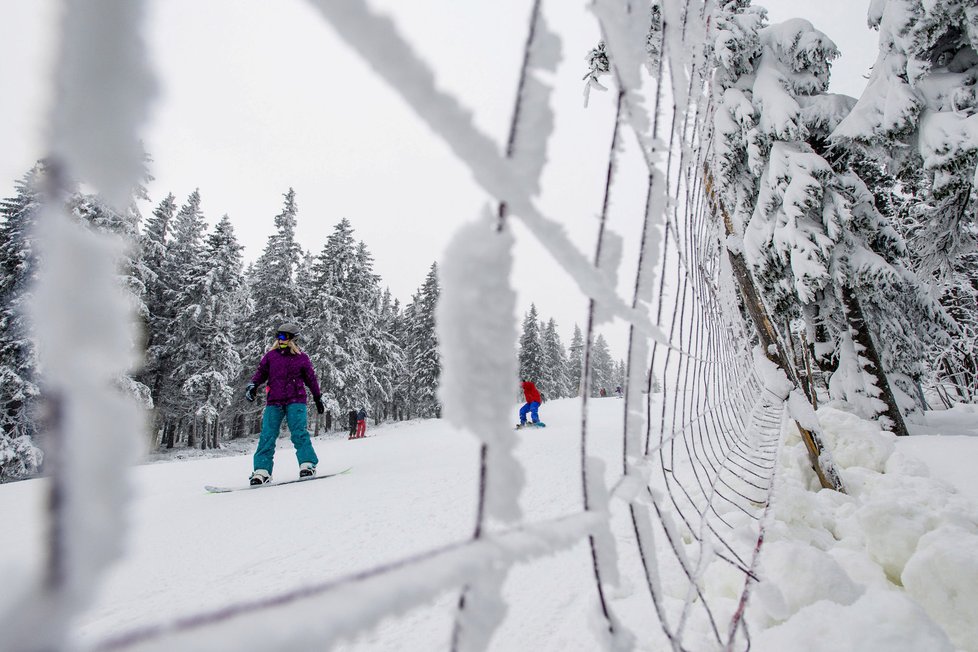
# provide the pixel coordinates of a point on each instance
(288, 372)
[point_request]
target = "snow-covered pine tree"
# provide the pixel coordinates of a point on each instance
(532, 357)
(619, 377)
(209, 363)
(134, 274)
(363, 381)
(20, 456)
(602, 368)
(273, 284)
(305, 278)
(575, 363)
(423, 358)
(181, 264)
(400, 401)
(154, 240)
(337, 322)
(917, 118)
(738, 144)
(814, 237)
(555, 363)
(386, 356)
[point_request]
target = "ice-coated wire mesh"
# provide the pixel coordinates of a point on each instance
(685, 509)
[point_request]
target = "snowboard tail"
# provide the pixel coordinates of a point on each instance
(223, 490)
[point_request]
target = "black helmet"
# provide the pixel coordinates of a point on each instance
(290, 328)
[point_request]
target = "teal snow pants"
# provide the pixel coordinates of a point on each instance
(271, 420)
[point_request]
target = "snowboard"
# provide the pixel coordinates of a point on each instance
(224, 490)
(541, 424)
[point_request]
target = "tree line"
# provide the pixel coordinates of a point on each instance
(207, 319)
(557, 371)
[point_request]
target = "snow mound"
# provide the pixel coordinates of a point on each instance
(880, 620)
(942, 576)
(855, 442)
(796, 575)
(892, 564)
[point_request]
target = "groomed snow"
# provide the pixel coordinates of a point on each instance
(831, 568)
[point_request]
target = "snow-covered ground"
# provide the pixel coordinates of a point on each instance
(892, 566)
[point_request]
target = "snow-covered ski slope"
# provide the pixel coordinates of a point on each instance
(830, 573)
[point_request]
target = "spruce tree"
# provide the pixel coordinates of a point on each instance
(273, 284)
(134, 274)
(532, 358)
(20, 456)
(424, 360)
(207, 314)
(153, 244)
(335, 338)
(815, 241)
(386, 355)
(575, 363)
(602, 368)
(182, 264)
(556, 384)
(915, 118)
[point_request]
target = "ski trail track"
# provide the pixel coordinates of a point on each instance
(413, 487)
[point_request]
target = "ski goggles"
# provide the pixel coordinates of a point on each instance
(284, 337)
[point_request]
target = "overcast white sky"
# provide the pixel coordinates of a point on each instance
(258, 96)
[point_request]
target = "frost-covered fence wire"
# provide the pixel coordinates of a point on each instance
(701, 428)
(82, 319)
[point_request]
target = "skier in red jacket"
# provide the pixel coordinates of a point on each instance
(533, 400)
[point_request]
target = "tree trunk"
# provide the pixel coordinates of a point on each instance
(808, 369)
(862, 337)
(768, 336)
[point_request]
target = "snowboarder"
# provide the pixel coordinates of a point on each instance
(361, 423)
(533, 400)
(353, 423)
(286, 369)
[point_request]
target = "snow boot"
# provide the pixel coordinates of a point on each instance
(260, 476)
(307, 470)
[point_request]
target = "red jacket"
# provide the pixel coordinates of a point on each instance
(531, 393)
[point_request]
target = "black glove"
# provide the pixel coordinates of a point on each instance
(318, 400)
(250, 392)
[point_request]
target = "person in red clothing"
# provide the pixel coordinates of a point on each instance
(533, 400)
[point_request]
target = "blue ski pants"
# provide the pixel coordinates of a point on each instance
(532, 409)
(271, 420)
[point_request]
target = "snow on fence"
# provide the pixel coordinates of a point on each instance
(703, 414)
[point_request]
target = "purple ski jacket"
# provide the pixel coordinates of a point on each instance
(286, 373)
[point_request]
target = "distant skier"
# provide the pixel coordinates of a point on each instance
(353, 423)
(533, 400)
(618, 391)
(361, 423)
(286, 369)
